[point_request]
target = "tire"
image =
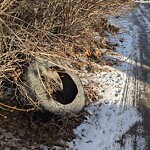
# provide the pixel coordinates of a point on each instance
(72, 90)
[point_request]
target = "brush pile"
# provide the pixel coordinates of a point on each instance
(53, 30)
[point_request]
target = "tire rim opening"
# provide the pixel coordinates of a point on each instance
(69, 90)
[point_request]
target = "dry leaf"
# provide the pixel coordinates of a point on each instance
(87, 53)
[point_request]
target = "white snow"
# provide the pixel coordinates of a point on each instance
(112, 117)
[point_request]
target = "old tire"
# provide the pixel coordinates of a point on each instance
(72, 89)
